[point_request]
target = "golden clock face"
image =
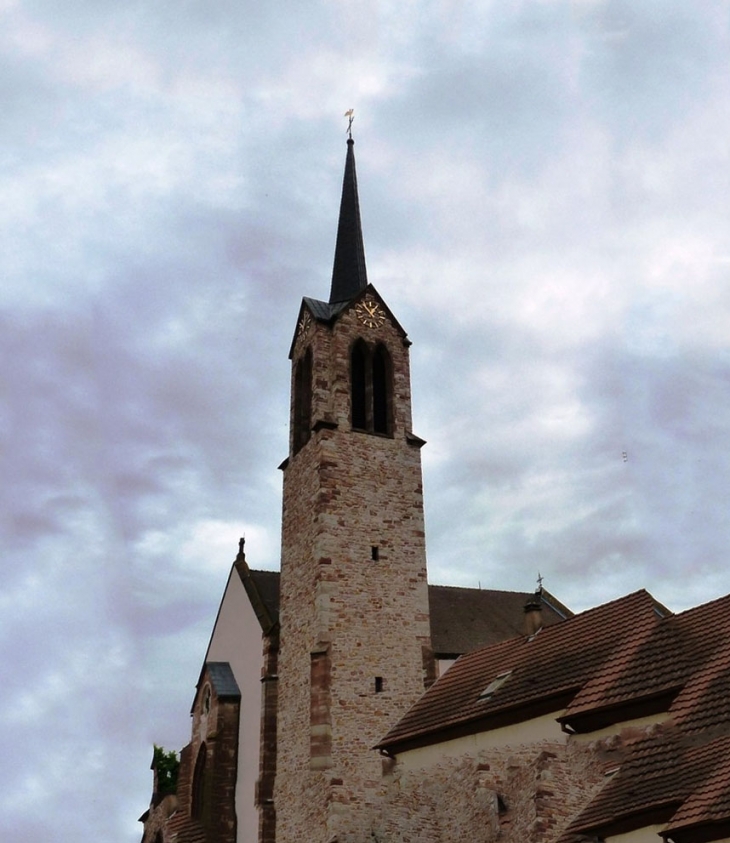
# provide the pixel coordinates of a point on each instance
(370, 313)
(304, 322)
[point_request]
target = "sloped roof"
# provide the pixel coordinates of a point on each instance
(462, 619)
(220, 675)
(708, 805)
(611, 659)
(322, 310)
(704, 638)
(267, 589)
(681, 774)
(685, 660)
(668, 777)
(545, 671)
(328, 312)
(223, 681)
(349, 276)
(182, 828)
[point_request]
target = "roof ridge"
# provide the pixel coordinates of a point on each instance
(472, 588)
(685, 612)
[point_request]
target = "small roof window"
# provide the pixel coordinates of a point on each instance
(495, 685)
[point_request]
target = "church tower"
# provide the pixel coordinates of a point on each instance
(354, 647)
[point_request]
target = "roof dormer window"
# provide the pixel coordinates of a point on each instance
(495, 685)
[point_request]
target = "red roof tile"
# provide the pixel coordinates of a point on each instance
(682, 773)
(545, 669)
(462, 619)
(667, 774)
(182, 828)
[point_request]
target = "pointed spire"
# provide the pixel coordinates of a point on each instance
(349, 275)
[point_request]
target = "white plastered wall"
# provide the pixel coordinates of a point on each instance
(649, 834)
(539, 729)
(236, 639)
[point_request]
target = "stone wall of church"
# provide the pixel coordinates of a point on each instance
(516, 794)
(214, 734)
(354, 601)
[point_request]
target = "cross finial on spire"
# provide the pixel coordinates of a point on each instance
(350, 114)
(539, 583)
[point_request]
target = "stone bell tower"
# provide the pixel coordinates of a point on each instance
(354, 648)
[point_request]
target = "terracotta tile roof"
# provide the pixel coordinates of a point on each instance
(667, 775)
(681, 774)
(262, 588)
(704, 701)
(683, 661)
(545, 671)
(611, 659)
(650, 663)
(182, 828)
(709, 804)
(463, 619)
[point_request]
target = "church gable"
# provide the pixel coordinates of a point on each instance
(206, 790)
(203, 806)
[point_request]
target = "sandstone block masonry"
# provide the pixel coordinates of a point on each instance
(354, 645)
(521, 793)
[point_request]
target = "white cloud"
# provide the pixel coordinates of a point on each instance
(545, 209)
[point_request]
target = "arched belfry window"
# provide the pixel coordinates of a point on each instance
(381, 390)
(197, 797)
(303, 400)
(371, 388)
(359, 385)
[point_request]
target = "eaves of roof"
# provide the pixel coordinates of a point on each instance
(182, 828)
(667, 778)
(327, 313)
(555, 664)
(223, 681)
(262, 588)
(463, 619)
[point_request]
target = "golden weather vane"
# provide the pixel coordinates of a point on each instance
(350, 114)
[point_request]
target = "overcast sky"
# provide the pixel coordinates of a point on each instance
(544, 194)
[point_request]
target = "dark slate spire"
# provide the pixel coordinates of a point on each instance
(349, 275)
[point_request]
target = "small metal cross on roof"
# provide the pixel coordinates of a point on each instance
(350, 114)
(539, 582)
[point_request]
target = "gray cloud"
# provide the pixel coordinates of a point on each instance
(544, 198)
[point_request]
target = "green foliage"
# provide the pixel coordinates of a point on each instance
(167, 765)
